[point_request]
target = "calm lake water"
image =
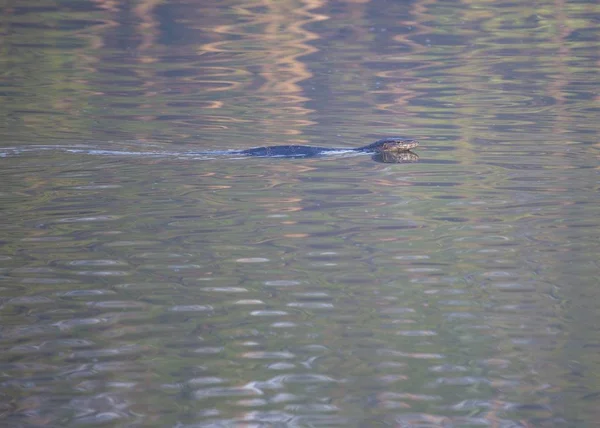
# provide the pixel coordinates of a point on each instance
(144, 284)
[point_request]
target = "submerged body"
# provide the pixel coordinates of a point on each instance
(385, 145)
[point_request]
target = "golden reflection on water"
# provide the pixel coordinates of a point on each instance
(273, 70)
(277, 30)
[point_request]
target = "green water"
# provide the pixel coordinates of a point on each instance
(144, 285)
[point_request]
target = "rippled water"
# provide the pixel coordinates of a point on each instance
(142, 284)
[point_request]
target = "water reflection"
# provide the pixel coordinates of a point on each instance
(398, 157)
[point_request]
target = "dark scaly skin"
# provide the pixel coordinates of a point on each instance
(390, 145)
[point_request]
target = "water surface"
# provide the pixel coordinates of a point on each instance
(142, 284)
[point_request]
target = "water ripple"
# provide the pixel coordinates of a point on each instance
(145, 284)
